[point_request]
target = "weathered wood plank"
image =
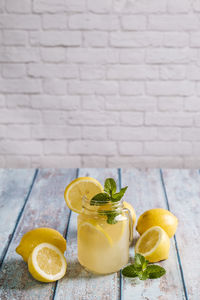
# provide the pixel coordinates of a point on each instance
(145, 192)
(80, 284)
(14, 188)
(45, 208)
(183, 192)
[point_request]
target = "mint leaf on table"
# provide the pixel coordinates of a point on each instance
(142, 269)
(110, 186)
(155, 271)
(100, 199)
(130, 271)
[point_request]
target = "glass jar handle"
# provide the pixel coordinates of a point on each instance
(126, 210)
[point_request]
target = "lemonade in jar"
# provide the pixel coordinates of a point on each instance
(104, 228)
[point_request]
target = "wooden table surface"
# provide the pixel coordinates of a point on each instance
(34, 198)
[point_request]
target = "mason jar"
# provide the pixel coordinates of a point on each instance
(104, 234)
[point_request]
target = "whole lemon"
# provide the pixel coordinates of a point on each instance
(131, 209)
(157, 217)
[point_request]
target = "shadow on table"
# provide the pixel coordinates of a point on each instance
(15, 275)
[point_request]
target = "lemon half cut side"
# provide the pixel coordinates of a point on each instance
(47, 263)
(78, 188)
(153, 244)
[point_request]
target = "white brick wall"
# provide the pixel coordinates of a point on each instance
(100, 83)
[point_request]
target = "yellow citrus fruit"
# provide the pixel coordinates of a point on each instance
(37, 236)
(157, 217)
(78, 188)
(47, 263)
(132, 211)
(153, 244)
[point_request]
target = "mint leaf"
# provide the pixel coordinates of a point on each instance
(140, 262)
(130, 271)
(118, 196)
(155, 271)
(110, 186)
(100, 199)
(111, 218)
(143, 275)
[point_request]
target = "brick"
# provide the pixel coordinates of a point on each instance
(195, 39)
(55, 161)
(91, 72)
(197, 120)
(106, 88)
(75, 5)
(95, 133)
(54, 86)
(196, 149)
(24, 147)
(193, 72)
(147, 161)
(17, 161)
(18, 54)
(170, 88)
(169, 133)
(55, 147)
(20, 86)
(2, 101)
(178, 6)
(166, 56)
(55, 102)
(92, 102)
(131, 56)
(196, 5)
(170, 104)
(130, 103)
(16, 101)
(134, 22)
(53, 117)
(132, 72)
(2, 6)
(60, 38)
(13, 70)
(2, 159)
(192, 104)
(95, 38)
(3, 131)
(136, 39)
(132, 133)
(144, 6)
(93, 22)
(168, 148)
(198, 88)
(191, 134)
(93, 118)
(55, 21)
(56, 132)
(19, 116)
(176, 39)
(52, 70)
(51, 6)
(169, 119)
(15, 38)
(18, 132)
(54, 54)
(28, 22)
(131, 118)
(92, 56)
(172, 23)
(172, 72)
(93, 161)
(130, 148)
(99, 6)
(22, 6)
(92, 147)
(131, 88)
(76, 87)
(191, 162)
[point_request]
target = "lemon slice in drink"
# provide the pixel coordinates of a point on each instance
(82, 186)
(153, 244)
(47, 263)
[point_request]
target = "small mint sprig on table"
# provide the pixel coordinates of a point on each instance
(142, 269)
(109, 195)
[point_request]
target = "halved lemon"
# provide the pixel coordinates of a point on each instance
(47, 263)
(78, 188)
(37, 236)
(153, 244)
